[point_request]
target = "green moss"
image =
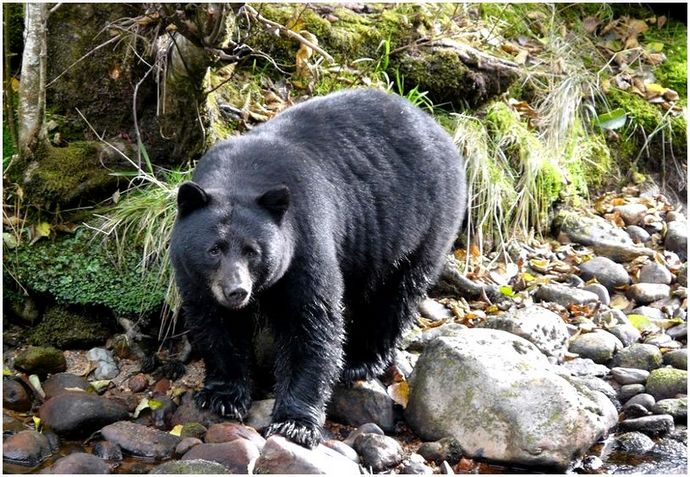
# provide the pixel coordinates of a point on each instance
(63, 329)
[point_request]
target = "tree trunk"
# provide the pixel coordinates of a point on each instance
(32, 92)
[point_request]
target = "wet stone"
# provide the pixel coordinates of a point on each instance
(629, 390)
(634, 443)
(193, 429)
(599, 346)
(640, 356)
(235, 455)
(447, 449)
(364, 401)
(666, 383)
(140, 440)
(342, 448)
(585, 367)
(378, 452)
(79, 413)
(677, 358)
(627, 333)
(416, 468)
(660, 339)
(186, 444)
(79, 463)
(678, 331)
(61, 382)
(629, 375)
(599, 290)
(651, 425)
(655, 273)
(682, 275)
(637, 234)
(636, 410)
(28, 448)
(677, 408)
(643, 399)
(631, 213)
(281, 456)
(645, 293)
(138, 383)
(676, 239)
(15, 395)
(41, 360)
(107, 450)
(564, 295)
(368, 428)
(230, 431)
(606, 271)
(190, 467)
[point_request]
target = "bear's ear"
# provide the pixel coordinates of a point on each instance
(190, 197)
(276, 201)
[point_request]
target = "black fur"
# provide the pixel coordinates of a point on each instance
(350, 200)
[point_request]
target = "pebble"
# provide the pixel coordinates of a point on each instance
(235, 455)
(138, 383)
(643, 399)
(636, 410)
(678, 331)
(342, 448)
(106, 368)
(77, 413)
(648, 292)
(16, 396)
(59, 383)
(79, 463)
(416, 468)
(230, 431)
(448, 449)
(259, 415)
(631, 213)
(666, 383)
(107, 450)
(640, 356)
(140, 440)
(368, 428)
(585, 367)
(654, 272)
(281, 456)
(434, 311)
(627, 333)
(660, 340)
(186, 444)
(677, 358)
(629, 390)
(676, 239)
(564, 295)
(378, 452)
(652, 425)
(621, 252)
(592, 464)
(28, 448)
(599, 290)
(40, 360)
(364, 401)
(637, 234)
(634, 443)
(682, 275)
(629, 375)
(649, 312)
(677, 408)
(599, 346)
(190, 467)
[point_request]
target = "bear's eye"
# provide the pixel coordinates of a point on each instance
(214, 251)
(251, 252)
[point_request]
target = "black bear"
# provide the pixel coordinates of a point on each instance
(348, 201)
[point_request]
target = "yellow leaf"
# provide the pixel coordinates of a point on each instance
(37, 422)
(399, 392)
(155, 404)
(177, 430)
(43, 229)
(15, 84)
(654, 90)
(6, 372)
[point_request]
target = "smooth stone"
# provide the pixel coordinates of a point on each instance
(188, 411)
(448, 449)
(138, 383)
(622, 253)
(193, 429)
(342, 448)
(637, 234)
(677, 408)
(418, 341)
(678, 332)
(79, 463)
(635, 410)
(230, 431)
(190, 467)
(434, 311)
(281, 456)
(634, 443)
(599, 346)
(541, 327)
(682, 275)
(654, 272)
(660, 340)
(589, 230)
(107, 450)
(599, 290)
(77, 413)
(666, 383)
(677, 358)
(596, 384)
(564, 295)
(40, 360)
(586, 367)
(639, 356)
(368, 428)
(186, 444)
(646, 293)
(627, 333)
(64, 382)
(16, 396)
(364, 401)
(378, 452)
(676, 239)
(629, 390)
(259, 415)
(631, 213)
(27, 448)
(643, 399)
(629, 375)
(106, 368)
(416, 468)
(140, 440)
(234, 455)
(652, 425)
(650, 312)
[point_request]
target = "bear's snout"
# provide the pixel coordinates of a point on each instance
(235, 295)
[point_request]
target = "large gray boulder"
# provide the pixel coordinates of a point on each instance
(497, 394)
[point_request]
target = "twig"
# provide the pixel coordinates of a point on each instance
(287, 32)
(55, 7)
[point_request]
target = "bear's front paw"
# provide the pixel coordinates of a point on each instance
(308, 436)
(226, 404)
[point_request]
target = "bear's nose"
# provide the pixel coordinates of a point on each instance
(236, 295)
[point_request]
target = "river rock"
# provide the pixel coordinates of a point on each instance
(342, 448)
(138, 383)
(652, 425)
(629, 390)
(416, 468)
(16, 396)
(599, 290)
(368, 428)
(416, 340)
(678, 332)
(652, 313)
(655, 273)
(364, 401)
(599, 346)
(107, 450)
(497, 394)
(585, 367)
(448, 449)
(190, 467)
(281, 456)
(193, 429)
(634, 443)
(682, 275)
(589, 230)
(643, 399)
(230, 431)
(631, 213)
(434, 311)
(259, 415)
(595, 384)
(28, 448)
(621, 253)
(77, 413)
(378, 452)
(40, 360)
(648, 292)
(235, 455)
(676, 239)
(140, 440)
(188, 411)
(629, 375)
(639, 356)
(564, 295)
(677, 408)
(637, 234)
(666, 383)
(106, 368)
(62, 382)
(606, 271)
(627, 333)
(677, 358)
(543, 328)
(635, 410)
(186, 444)
(79, 463)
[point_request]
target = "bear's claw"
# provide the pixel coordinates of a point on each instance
(305, 435)
(222, 403)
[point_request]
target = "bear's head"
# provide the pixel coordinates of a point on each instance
(232, 247)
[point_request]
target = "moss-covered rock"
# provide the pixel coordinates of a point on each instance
(664, 383)
(64, 329)
(41, 360)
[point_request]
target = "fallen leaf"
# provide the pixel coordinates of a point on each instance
(37, 422)
(399, 393)
(640, 322)
(590, 24)
(661, 21)
(36, 384)
(653, 90)
(177, 430)
(143, 404)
